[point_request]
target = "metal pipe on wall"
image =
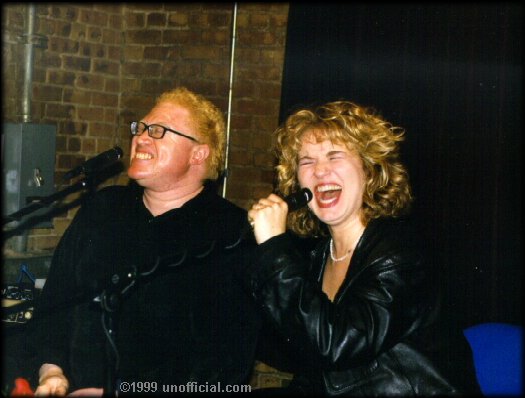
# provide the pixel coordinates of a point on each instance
(27, 37)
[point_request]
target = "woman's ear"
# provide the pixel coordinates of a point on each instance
(200, 153)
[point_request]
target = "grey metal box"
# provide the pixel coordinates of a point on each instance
(28, 167)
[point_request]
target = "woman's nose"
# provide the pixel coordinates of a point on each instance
(321, 169)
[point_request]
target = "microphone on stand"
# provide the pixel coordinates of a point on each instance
(96, 163)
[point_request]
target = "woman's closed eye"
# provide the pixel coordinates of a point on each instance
(337, 155)
(305, 161)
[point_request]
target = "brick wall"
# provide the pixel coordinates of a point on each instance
(102, 65)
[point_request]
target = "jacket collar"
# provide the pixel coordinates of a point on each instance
(357, 263)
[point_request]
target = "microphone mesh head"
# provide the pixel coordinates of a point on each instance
(307, 194)
(299, 199)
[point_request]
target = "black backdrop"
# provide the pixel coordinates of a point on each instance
(451, 75)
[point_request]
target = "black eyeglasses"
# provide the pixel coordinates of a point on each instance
(155, 130)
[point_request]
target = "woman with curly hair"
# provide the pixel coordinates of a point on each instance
(362, 308)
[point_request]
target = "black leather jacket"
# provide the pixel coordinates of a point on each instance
(382, 334)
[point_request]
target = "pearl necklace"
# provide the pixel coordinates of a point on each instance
(335, 259)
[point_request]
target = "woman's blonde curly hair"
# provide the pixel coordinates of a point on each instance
(208, 121)
(387, 189)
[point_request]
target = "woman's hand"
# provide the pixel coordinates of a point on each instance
(51, 381)
(268, 217)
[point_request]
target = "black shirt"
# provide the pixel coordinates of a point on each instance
(184, 315)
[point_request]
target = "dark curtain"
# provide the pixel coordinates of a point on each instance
(451, 75)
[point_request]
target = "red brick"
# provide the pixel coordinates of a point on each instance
(91, 17)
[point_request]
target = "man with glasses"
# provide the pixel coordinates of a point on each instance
(162, 248)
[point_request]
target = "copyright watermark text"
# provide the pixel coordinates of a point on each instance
(190, 387)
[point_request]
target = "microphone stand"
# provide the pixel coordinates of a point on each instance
(110, 300)
(44, 201)
(90, 181)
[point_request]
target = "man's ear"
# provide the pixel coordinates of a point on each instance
(200, 154)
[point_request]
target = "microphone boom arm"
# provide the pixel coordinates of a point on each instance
(45, 201)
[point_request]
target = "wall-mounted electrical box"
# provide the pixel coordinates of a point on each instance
(28, 167)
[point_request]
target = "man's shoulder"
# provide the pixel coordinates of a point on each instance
(229, 206)
(226, 214)
(222, 204)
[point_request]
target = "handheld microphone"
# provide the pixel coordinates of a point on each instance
(295, 201)
(298, 199)
(97, 163)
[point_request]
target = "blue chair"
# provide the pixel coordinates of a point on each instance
(498, 357)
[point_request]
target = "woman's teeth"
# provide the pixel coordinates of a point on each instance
(325, 188)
